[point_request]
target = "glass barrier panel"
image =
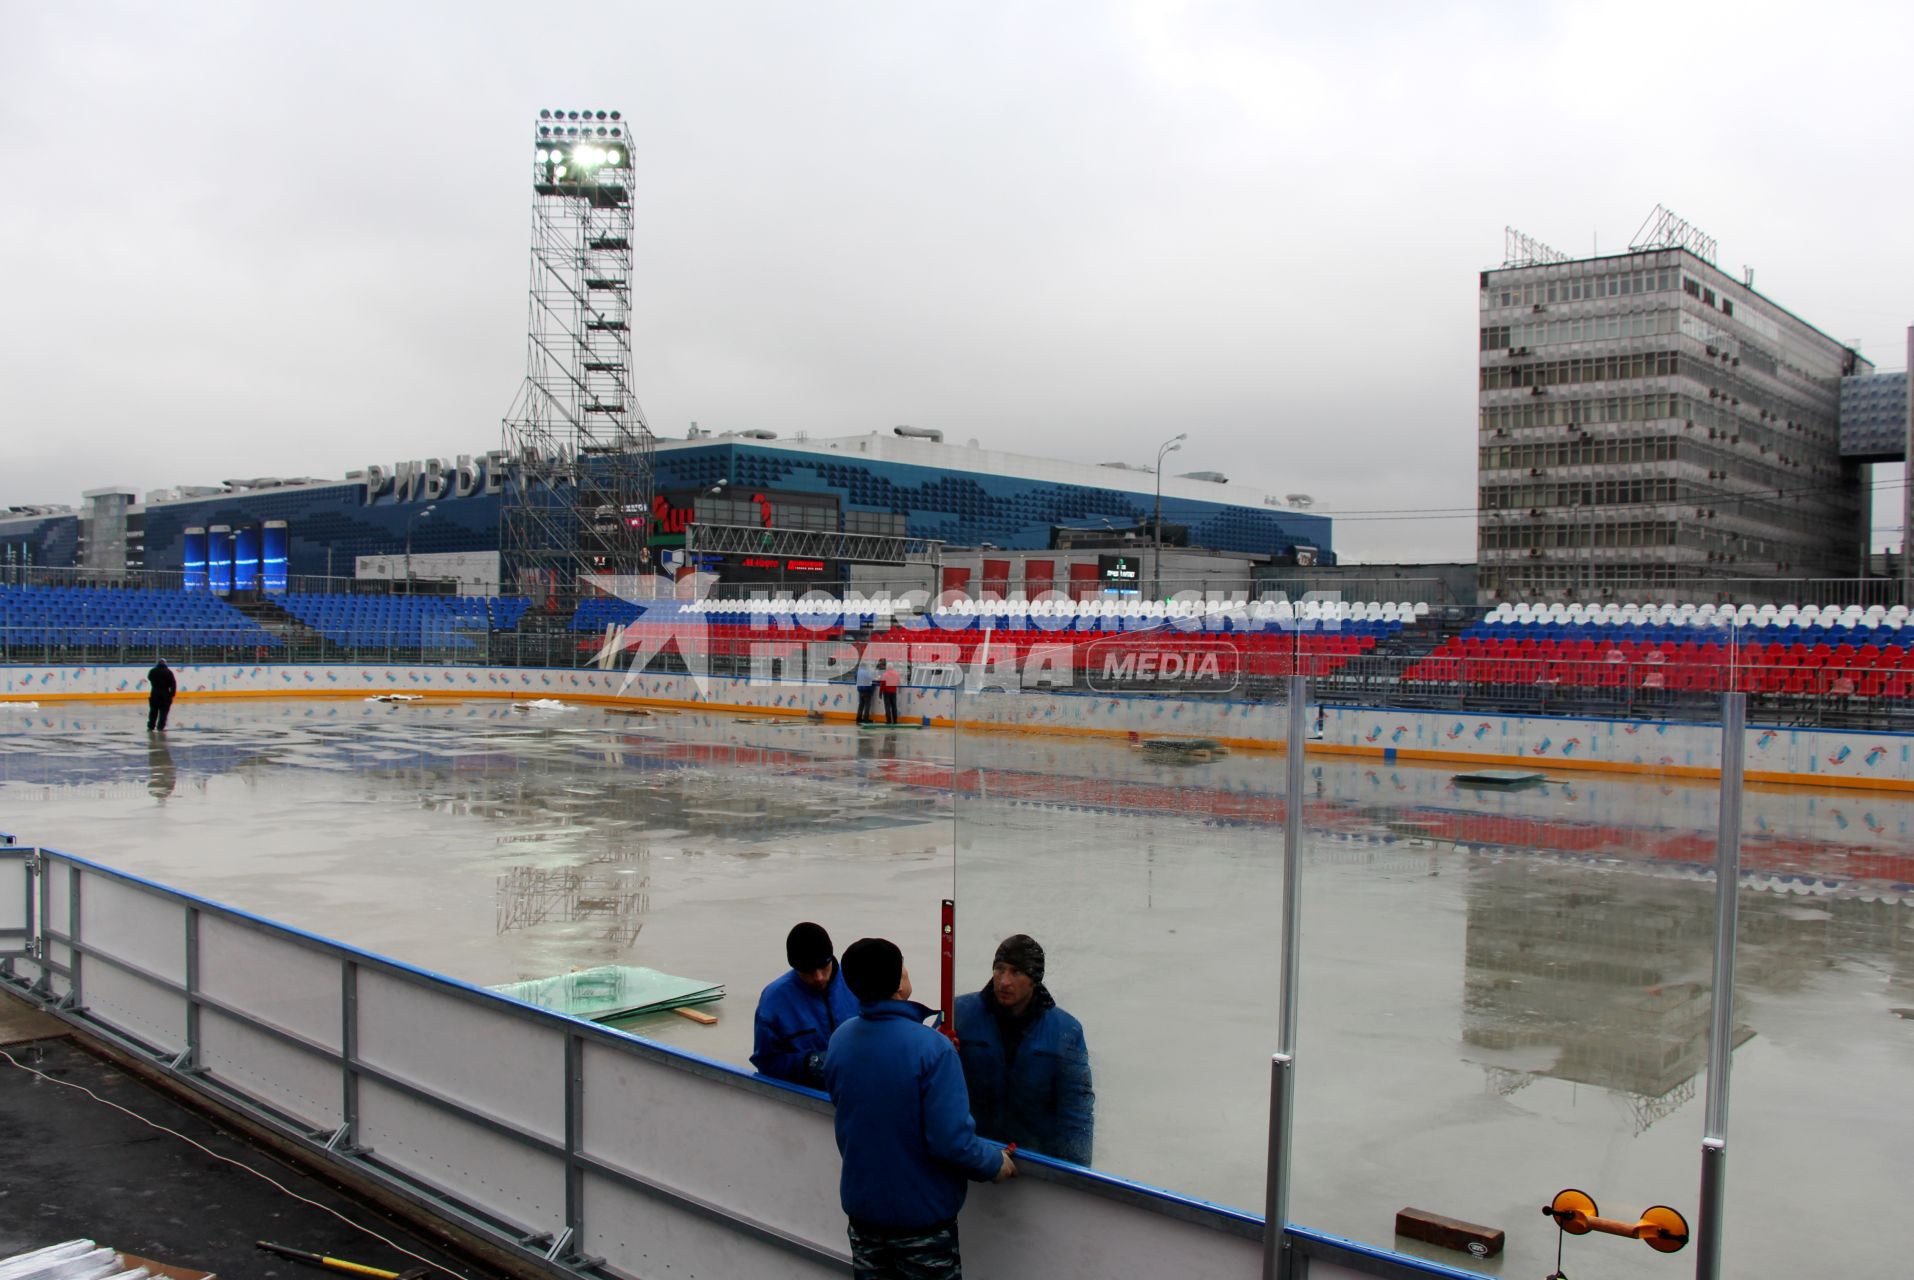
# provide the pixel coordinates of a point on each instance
(1819, 1124)
(1506, 941)
(1119, 800)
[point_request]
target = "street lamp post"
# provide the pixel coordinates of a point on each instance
(409, 521)
(691, 527)
(1170, 446)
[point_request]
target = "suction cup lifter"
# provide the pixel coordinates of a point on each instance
(1661, 1228)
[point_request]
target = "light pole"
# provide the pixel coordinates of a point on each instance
(691, 525)
(409, 521)
(1170, 446)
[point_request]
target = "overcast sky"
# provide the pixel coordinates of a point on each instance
(293, 240)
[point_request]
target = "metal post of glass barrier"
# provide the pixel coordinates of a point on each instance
(1721, 1030)
(1282, 1084)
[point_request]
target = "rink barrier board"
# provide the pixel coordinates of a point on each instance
(569, 1141)
(1839, 758)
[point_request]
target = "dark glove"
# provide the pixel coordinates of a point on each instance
(814, 1067)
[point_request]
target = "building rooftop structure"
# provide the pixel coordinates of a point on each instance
(1649, 424)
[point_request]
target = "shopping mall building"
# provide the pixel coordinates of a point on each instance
(439, 518)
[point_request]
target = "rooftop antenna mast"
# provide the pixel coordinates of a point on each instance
(579, 453)
(1665, 229)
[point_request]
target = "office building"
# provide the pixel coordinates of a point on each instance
(1651, 428)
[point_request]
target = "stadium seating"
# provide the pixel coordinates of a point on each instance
(729, 628)
(141, 619)
(1273, 639)
(1517, 655)
(403, 622)
(1775, 650)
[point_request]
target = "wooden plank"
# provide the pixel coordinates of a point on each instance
(1450, 1233)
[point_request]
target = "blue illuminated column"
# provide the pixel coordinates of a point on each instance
(194, 563)
(246, 560)
(219, 559)
(272, 556)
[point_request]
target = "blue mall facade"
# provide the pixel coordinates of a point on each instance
(964, 498)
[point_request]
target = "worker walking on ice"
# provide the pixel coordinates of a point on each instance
(160, 688)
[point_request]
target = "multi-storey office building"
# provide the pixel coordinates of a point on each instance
(1650, 424)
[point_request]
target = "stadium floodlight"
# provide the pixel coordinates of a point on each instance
(578, 404)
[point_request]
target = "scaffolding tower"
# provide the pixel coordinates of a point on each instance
(578, 497)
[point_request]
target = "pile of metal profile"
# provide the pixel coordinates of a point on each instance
(612, 991)
(85, 1260)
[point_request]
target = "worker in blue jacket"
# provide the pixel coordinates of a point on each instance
(1025, 1062)
(800, 1009)
(902, 1126)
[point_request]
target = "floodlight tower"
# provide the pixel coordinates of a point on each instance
(578, 499)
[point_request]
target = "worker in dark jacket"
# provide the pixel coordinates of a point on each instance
(160, 688)
(800, 1009)
(1025, 1061)
(902, 1126)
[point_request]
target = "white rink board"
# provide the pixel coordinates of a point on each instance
(475, 1051)
(1823, 757)
(284, 983)
(127, 1002)
(642, 1236)
(290, 1079)
(512, 1182)
(129, 923)
(655, 1121)
(14, 887)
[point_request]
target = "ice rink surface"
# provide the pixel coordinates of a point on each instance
(1505, 992)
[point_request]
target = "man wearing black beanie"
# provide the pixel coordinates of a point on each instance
(1025, 1062)
(800, 1009)
(902, 1125)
